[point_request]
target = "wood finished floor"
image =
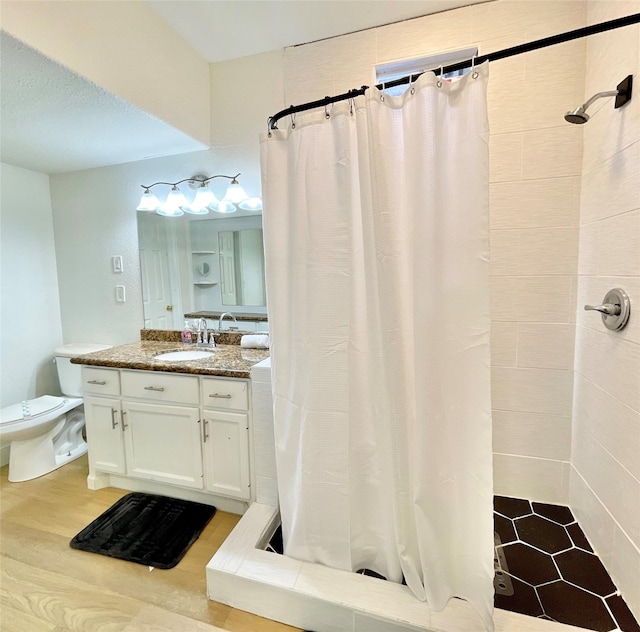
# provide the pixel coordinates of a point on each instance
(47, 586)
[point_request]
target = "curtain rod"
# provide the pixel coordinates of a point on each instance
(500, 54)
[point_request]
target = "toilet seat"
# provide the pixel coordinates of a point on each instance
(30, 408)
(44, 410)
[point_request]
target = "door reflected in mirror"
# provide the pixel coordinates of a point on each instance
(241, 257)
(189, 264)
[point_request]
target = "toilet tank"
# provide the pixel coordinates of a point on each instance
(70, 375)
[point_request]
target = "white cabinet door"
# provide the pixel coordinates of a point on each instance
(226, 453)
(163, 443)
(104, 434)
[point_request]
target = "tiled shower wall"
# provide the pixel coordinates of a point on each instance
(536, 161)
(605, 475)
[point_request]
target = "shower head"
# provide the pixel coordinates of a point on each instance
(577, 116)
(622, 93)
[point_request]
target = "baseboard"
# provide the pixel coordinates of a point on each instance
(4, 454)
(98, 480)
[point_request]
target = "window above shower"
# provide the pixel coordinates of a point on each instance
(390, 71)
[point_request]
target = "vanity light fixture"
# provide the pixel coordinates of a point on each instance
(235, 193)
(176, 203)
(251, 204)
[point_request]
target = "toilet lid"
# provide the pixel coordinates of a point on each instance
(78, 348)
(30, 408)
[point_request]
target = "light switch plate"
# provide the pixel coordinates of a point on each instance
(120, 294)
(116, 262)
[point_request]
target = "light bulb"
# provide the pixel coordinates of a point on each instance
(235, 193)
(169, 212)
(225, 207)
(251, 204)
(203, 201)
(148, 202)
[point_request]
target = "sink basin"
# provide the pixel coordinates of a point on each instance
(184, 355)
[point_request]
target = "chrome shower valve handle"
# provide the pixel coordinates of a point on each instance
(615, 309)
(608, 308)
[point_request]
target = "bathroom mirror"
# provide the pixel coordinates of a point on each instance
(192, 264)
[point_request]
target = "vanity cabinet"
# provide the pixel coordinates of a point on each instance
(187, 431)
(226, 437)
(162, 443)
(103, 419)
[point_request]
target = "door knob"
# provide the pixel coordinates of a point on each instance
(169, 308)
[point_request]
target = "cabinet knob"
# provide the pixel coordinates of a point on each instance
(99, 382)
(114, 421)
(220, 396)
(159, 389)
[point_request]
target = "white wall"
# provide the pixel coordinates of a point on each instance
(535, 180)
(30, 309)
(605, 477)
(125, 48)
(95, 219)
(94, 210)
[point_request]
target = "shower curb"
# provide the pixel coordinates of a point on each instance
(313, 597)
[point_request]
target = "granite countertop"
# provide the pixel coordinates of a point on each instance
(227, 361)
(216, 315)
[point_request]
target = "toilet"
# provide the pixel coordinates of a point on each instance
(46, 432)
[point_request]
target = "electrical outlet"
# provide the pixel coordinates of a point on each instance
(116, 262)
(120, 294)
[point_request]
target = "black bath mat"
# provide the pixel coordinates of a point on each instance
(144, 528)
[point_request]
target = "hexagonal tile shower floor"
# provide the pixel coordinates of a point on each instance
(546, 568)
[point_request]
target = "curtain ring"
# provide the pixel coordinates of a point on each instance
(327, 114)
(412, 90)
(382, 93)
(439, 82)
(269, 134)
(474, 72)
(351, 106)
(293, 120)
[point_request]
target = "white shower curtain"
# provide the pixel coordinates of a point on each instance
(376, 237)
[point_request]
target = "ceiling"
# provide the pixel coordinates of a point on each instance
(54, 121)
(227, 29)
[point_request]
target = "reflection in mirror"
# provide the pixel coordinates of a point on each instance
(190, 264)
(241, 267)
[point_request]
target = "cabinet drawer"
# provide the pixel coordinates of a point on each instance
(161, 387)
(217, 393)
(101, 381)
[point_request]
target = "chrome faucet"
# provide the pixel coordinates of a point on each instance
(205, 338)
(222, 316)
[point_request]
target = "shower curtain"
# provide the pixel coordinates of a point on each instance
(376, 238)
